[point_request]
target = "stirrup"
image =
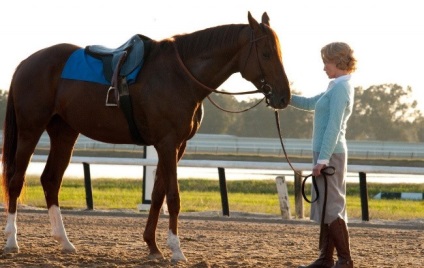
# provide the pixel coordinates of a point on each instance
(109, 91)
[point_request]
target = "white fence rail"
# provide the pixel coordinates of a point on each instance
(227, 144)
(236, 164)
(362, 170)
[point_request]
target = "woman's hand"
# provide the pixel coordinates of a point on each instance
(316, 171)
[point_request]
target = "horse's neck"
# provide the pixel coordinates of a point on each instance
(214, 66)
(218, 67)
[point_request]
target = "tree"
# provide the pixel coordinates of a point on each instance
(384, 112)
(214, 120)
(381, 112)
(256, 122)
(419, 123)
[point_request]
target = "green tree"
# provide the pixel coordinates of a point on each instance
(261, 122)
(419, 124)
(256, 122)
(214, 120)
(381, 112)
(384, 112)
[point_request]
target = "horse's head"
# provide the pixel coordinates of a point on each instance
(263, 64)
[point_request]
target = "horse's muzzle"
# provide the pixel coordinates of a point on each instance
(274, 98)
(277, 101)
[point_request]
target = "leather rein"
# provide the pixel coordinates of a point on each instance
(265, 89)
(326, 171)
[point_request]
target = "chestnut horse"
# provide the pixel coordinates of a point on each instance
(177, 75)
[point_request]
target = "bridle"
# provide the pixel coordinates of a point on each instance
(265, 88)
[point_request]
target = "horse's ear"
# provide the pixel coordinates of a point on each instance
(265, 19)
(252, 22)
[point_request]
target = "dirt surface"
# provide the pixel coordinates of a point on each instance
(114, 239)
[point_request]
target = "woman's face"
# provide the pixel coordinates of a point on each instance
(331, 70)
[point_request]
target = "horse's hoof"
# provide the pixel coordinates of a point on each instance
(11, 250)
(69, 250)
(178, 257)
(155, 256)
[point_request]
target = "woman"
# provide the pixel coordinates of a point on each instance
(332, 111)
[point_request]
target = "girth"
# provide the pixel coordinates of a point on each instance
(121, 94)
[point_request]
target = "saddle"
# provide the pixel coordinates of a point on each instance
(117, 64)
(120, 62)
(134, 48)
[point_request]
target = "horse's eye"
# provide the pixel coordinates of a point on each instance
(266, 55)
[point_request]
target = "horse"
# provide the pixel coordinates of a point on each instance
(177, 75)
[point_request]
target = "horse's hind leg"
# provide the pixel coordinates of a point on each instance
(26, 143)
(62, 141)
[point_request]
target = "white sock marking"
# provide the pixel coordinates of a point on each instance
(174, 244)
(58, 229)
(11, 231)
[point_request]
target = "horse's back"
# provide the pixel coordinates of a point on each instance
(41, 69)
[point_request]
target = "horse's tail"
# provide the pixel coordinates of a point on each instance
(10, 140)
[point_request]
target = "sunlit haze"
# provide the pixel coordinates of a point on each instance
(387, 36)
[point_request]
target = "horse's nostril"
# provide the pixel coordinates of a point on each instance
(284, 102)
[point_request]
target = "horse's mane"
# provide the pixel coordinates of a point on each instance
(208, 39)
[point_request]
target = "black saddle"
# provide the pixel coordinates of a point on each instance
(135, 49)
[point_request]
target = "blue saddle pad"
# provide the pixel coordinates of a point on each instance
(83, 67)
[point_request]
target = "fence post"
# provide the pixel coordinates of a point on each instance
(223, 190)
(283, 197)
(298, 199)
(364, 195)
(87, 184)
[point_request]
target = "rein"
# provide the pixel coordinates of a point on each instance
(326, 171)
(234, 112)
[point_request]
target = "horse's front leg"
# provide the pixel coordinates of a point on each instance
(58, 230)
(173, 241)
(174, 206)
(167, 175)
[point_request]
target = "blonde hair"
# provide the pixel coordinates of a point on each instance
(341, 54)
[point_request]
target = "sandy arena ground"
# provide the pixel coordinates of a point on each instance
(114, 239)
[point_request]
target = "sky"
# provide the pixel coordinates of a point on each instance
(387, 36)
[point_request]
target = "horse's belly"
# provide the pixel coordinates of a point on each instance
(82, 106)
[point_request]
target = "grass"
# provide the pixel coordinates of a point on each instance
(203, 195)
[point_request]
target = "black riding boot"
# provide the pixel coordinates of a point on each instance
(325, 259)
(340, 236)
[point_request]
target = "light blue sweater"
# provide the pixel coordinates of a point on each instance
(332, 111)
